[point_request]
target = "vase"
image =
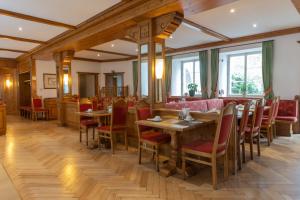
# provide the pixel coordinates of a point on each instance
(192, 93)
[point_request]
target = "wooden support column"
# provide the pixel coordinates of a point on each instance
(60, 59)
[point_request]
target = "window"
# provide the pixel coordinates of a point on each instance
(245, 74)
(185, 70)
(144, 78)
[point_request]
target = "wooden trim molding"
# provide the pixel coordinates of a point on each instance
(297, 4)
(13, 50)
(238, 40)
(107, 60)
(22, 39)
(35, 19)
(109, 52)
(206, 30)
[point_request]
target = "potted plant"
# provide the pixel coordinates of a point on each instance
(192, 87)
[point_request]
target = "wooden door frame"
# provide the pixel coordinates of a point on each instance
(112, 74)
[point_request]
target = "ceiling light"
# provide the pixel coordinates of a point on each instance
(189, 26)
(136, 50)
(98, 55)
(112, 45)
(232, 10)
(171, 37)
(20, 29)
(254, 25)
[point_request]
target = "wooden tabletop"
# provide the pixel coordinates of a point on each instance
(174, 124)
(98, 113)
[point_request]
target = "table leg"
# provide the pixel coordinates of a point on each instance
(174, 161)
(233, 148)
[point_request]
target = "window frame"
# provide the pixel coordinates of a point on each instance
(181, 68)
(245, 54)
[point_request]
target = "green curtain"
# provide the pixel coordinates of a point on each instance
(267, 68)
(135, 73)
(214, 72)
(203, 59)
(168, 74)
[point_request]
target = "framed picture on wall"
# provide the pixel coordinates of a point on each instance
(49, 81)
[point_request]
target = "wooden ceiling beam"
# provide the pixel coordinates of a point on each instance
(206, 30)
(35, 19)
(296, 4)
(22, 39)
(13, 50)
(254, 37)
(106, 60)
(118, 18)
(110, 52)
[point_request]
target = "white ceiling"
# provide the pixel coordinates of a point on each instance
(11, 44)
(119, 46)
(9, 26)
(70, 12)
(269, 15)
(94, 55)
(187, 36)
(8, 54)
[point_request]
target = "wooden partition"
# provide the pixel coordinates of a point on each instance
(2, 119)
(69, 115)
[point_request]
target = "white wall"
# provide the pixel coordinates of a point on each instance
(44, 67)
(286, 75)
(124, 66)
(83, 66)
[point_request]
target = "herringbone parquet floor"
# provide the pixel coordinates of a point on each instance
(47, 162)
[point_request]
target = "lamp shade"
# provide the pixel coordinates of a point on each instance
(159, 68)
(66, 79)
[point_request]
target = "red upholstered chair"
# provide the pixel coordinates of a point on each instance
(206, 152)
(253, 129)
(268, 122)
(118, 124)
(86, 123)
(241, 133)
(37, 108)
(149, 139)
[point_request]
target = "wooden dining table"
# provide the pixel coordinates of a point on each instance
(97, 114)
(175, 128)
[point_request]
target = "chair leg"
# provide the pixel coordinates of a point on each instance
(214, 173)
(274, 130)
(157, 159)
(140, 153)
(226, 170)
(93, 133)
(243, 152)
(258, 144)
(268, 136)
(183, 166)
(238, 155)
(126, 140)
(80, 137)
(87, 136)
(112, 143)
(251, 147)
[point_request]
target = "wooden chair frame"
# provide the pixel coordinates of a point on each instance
(143, 144)
(210, 159)
(241, 134)
(83, 128)
(254, 135)
(110, 134)
(35, 112)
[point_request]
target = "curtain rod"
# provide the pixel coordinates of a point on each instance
(223, 47)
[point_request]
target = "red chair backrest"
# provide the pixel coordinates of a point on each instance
(119, 113)
(85, 106)
(224, 128)
(245, 117)
(143, 113)
(37, 103)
